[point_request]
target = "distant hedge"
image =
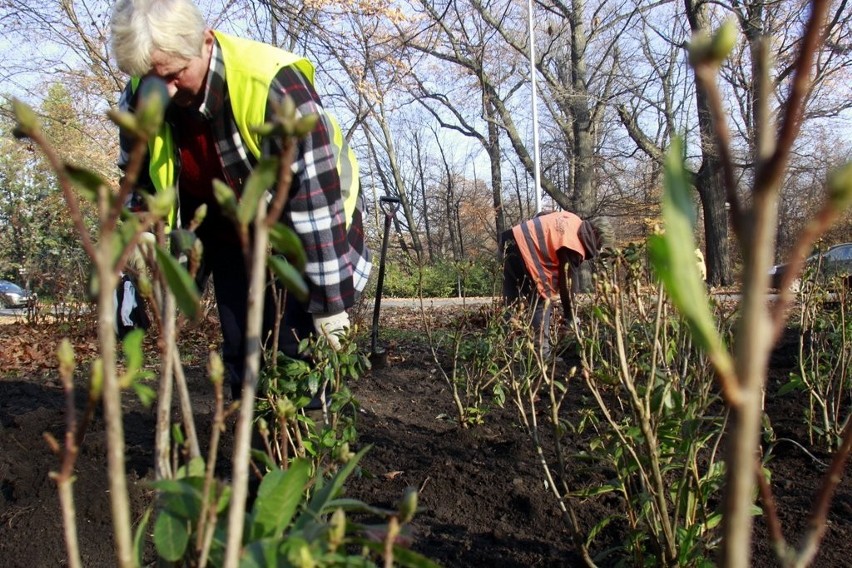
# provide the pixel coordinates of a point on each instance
(443, 279)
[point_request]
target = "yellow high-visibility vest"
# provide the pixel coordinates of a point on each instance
(250, 67)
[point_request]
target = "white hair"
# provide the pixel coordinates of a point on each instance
(140, 27)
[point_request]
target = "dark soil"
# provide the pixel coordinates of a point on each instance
(482, 493)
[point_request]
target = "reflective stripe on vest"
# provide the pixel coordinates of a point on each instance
(248, 80)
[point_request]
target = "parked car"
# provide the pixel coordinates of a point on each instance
(836, 261)
(13, 296)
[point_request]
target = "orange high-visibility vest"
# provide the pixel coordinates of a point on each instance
(538, 241)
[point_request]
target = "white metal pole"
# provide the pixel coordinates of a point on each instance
(536, 158)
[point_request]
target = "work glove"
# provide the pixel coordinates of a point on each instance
(332, 326)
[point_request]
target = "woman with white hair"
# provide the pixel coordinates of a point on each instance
(221, 86)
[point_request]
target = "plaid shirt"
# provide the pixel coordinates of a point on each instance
(338, 263)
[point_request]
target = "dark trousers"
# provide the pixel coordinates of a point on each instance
(519, 287)
(225, 263)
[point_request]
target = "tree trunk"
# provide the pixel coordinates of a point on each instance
(709, 182)
(493, 148)
(583, 198)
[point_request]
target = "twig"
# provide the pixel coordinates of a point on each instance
(801, 447)
(817, 521)
(65, 477)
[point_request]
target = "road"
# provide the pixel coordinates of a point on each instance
(433, 302)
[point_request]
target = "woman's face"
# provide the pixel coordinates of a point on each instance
(184, 78)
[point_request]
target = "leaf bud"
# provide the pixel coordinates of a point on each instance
(699, 47)
(704, 49)
(265, 129)
(724, 41)
(124, 120)
(300, 555)
(65, 354)
(200, 214)
(840, 186)
(225, 197)
(337, 528)
(161, 203)
(97, 385)
(305, 125)
(28, 123)
(215, 368)
(153, 99)
(287, 109)
(342, 454)
(408, 505)
(285, 408)
(143, 283)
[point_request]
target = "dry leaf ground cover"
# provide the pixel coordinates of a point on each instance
(481, 490)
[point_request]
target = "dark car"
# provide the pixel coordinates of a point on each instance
(836, 261)
(13, 296)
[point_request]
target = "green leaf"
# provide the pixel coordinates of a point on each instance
(673, 257)
(713, 521)
(596, 490)
(124, 120)
(261, 554)
(86, 181)
(279, 494)
(794, 384)
(226, 198)
(601, 525)
(27, 120)
(195, 468)
(161, 203)
(289, 277)
(180, 498)
(402, 556)
(182, 240)
(132, 345)
(259, 182)
(146, 394)
(180, 282)
(139, 537)
(285, 240)
(153, 100)
(170, 536)
(331, 490)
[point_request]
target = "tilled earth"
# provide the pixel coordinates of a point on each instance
(482, 491)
